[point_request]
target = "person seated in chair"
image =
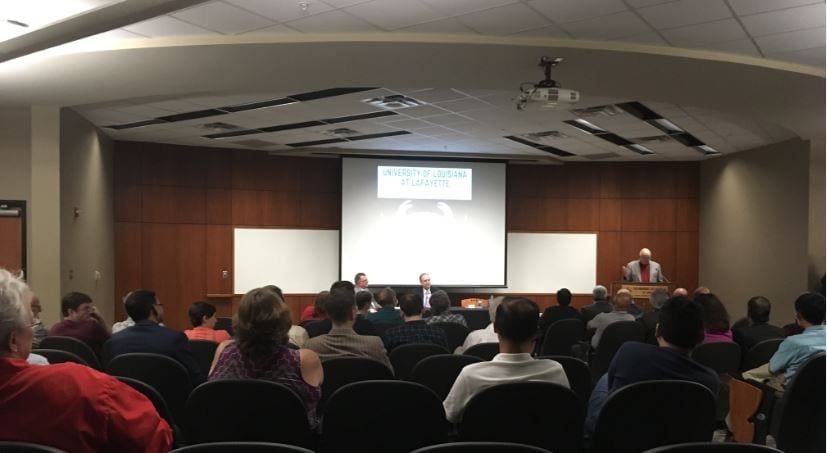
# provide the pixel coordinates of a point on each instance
(82, 321)
(414, 330)
(486, 335)
(600, 304)
(342, 340)
(756, 327)
(259, 350)
(556, 313)
(388, 314)
(67, 406)
(650, 320)
(620, 304)
(440, 302)
(202, 318)
(516, 326)
(796, 349)
(148, 336)
(316, 312)
(716, 319)
(680, 328)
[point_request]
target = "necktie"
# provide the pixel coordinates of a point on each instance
(427, 298)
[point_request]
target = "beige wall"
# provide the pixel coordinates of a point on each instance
(816, 240)
(754, 226)
(15, 171)
(87, 253)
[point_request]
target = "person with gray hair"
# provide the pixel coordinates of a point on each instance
(650, 320)
(486, 335)
(111, 415)
(600, 304)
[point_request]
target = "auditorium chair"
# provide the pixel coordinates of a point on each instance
(561, 336)
(224, 323)
(246, 410)
(58, 356)
(612, 339)
(164, 374)
(405, 357)
(722, 357)
(73, 345)
(760, 354)
(652, 414)
(26, 447)
(382, 417)
(481, 447)
(485, 351)
(242, 447)
(454, 332)
(316, 327)
(801, 412)
(578, 374)
(204, 352)
(713, 447)
(438, 372)
(341, 371)
(158, 402)
(542, 414)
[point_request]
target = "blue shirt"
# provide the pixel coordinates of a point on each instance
(795, 350)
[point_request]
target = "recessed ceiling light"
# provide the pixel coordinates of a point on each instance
(585, 126)
(665, 125)
(392, 102)
(706, 149)
(640, 149)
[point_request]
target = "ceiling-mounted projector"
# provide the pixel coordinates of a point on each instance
(546, 93)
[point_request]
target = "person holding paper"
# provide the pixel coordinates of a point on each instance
(643, 269)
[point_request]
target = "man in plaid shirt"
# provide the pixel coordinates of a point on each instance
(415, 330)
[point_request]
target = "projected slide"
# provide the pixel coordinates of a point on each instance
(401, 218)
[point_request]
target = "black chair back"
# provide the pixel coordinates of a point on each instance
(317, 327)
(612, 339)
(26, 447)
(341, 371)
(157, 401)
(577, 371)
(241, 447)
(801, 426)
(455, 333)
(550, 416)
(722, 357)
(673, 412)
(438, 372)
(382, 327)
(405, 357)
(760, 354)
(476, 318)
(481, 447)
(393, 417)
(561, 336)
(224, 324)
(73, 345)
(59, 356)
(164, 374)
(106, 354)
(204, 353)
(485, 351)
(713, 447)
(253, 411)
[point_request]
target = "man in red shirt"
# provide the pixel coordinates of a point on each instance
(82, 321)
(68, 406)
(643, 269)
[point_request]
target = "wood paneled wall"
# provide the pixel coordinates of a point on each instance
(176, 207)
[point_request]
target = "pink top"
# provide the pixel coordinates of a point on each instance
(717, 337)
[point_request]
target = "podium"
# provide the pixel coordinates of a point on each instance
(641, 291)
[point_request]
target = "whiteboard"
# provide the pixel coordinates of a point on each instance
(297, 261)
(546, 262)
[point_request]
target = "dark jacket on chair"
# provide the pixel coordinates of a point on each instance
(148, 336)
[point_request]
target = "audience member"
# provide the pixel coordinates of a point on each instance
(558, 312)
(600, 304)
(364, 302)
(343, 341)
(755, 328)
(440, 302)
(148, 336)
(795, 350)
(486, 335)
(388, 314)
(516, 326)
(650, 320)
(121, 325)
(620, 304)
(67, 406)
(680, 328)
(414, 330)
(360, 282)
(202, 318)
(317, 310)
(680, 292)
(260, 350)
(297, 334)
(700, 291)
(81, 320)
(716, 319)
(39, 329)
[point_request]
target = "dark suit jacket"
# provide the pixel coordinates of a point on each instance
(147, 336)
(650, 322)
(750, 335)
(588, 312)
(554, 314)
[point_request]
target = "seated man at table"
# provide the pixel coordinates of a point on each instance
(516, 326)
(414, 330)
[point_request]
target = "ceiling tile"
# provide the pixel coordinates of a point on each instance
(645, 38)
(166, 26)
(409, 124)
(342, 3)
(562, 11)
(455, 7)
(448, 26)
(504, 20)
(785, 20)
(552, 30)
(608, 27)
(744, 7)
(274, 30)
(280, 11)
(643, 3)
(332, 22)
(392, 14)
(223, 18)
(794, 40)
(701, 34)
(742, 46)
(684, 12)
(464, 105)
(432, 95)
(813, 56)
